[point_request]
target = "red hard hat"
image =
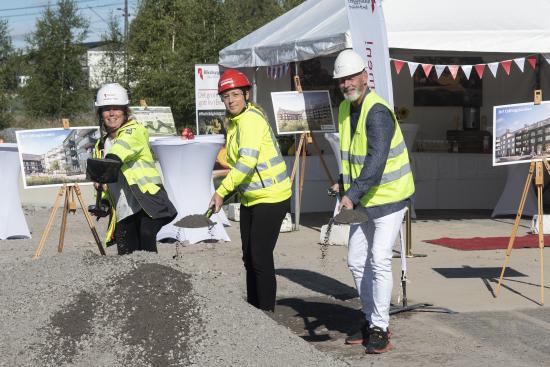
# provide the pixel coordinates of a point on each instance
(232, 78)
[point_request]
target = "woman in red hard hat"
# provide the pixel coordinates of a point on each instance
(258, 173)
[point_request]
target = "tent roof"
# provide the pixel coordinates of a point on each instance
(320, 27)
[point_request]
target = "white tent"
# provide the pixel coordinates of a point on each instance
(320, 27)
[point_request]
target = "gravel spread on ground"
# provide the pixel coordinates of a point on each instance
(78, 308)
(194, 221)
(347, 216)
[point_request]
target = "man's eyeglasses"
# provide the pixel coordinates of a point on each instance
(232, 95)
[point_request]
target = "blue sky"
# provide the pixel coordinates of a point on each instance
(515, 117)
(22, 15)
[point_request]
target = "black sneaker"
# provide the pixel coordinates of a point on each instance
(379, 341)
(361, 336)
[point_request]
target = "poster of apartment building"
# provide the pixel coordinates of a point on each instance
(521, 133)
(158, 120)
(309, 111)
(53, 157)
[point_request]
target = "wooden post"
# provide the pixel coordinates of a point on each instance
(40, 247)
(64, 219)
(536, 169)
(89, 220)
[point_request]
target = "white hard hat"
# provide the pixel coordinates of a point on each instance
(112, 94)
(348, 63)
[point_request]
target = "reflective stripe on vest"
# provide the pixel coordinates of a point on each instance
(396, 183)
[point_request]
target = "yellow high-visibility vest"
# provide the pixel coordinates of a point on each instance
(138, 167)
(397, 180)
(258, 170)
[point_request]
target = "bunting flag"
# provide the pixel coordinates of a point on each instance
(427, 68)
(506, 64)
(520, 62)
(277, 71)
(439, 70)
(493, 66)
(398, 65)
(547, 59)
(412, 67)
(467, 70)
(454, 70)
(480, 69)
(532, 61)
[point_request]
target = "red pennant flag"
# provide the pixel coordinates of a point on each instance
(532, 61)
(453, 69)
(398, 65)
(427, 68)
(506, 64)
(480, 68)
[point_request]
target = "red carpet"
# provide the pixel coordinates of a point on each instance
(489, 243)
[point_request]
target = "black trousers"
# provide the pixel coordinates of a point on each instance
(138, 232)
(260, 225)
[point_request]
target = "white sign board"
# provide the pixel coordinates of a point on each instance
(521, 133)
(158, 120)
(209, 108)
(370, 40)
(53, 157)
(309, 111)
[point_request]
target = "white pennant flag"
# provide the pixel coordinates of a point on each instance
(520, 62)
(412, 67)
(494, 68)
(548, 59)
(439, 69)
(467, 69)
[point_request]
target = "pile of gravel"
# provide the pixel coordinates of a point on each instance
(81, 309)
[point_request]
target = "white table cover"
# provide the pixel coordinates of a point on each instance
(187, 170)
(12, 219)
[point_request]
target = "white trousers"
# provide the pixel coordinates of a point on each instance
(369, 260)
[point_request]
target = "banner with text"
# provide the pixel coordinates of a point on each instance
(209, 109)
(370, 40)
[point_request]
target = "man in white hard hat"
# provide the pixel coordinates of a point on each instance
(377, 179)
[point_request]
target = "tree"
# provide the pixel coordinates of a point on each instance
(57, 85)
(167, 38)
(7, 79)
(112, 64)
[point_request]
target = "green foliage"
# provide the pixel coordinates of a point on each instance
(57, 85)
(7, 79)
(168, 37)
(112, 66)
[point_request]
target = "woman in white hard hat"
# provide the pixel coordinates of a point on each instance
(139, 204)
(258, 173)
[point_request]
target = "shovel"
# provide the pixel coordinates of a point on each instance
(102, 171)
(201, 220)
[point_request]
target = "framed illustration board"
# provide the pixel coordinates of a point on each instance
(53, 157)
(309, 111)
(158, 120)
(521, 133)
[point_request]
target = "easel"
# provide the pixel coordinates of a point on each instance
(69, 190)
(305, 138)
(537, 169)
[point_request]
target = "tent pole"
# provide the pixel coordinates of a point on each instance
(297, 193)
(254, 86)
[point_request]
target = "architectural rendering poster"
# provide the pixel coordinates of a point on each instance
(209, 107)
(296, 112)
(521, 133)
(158, 120)
(53, 157)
